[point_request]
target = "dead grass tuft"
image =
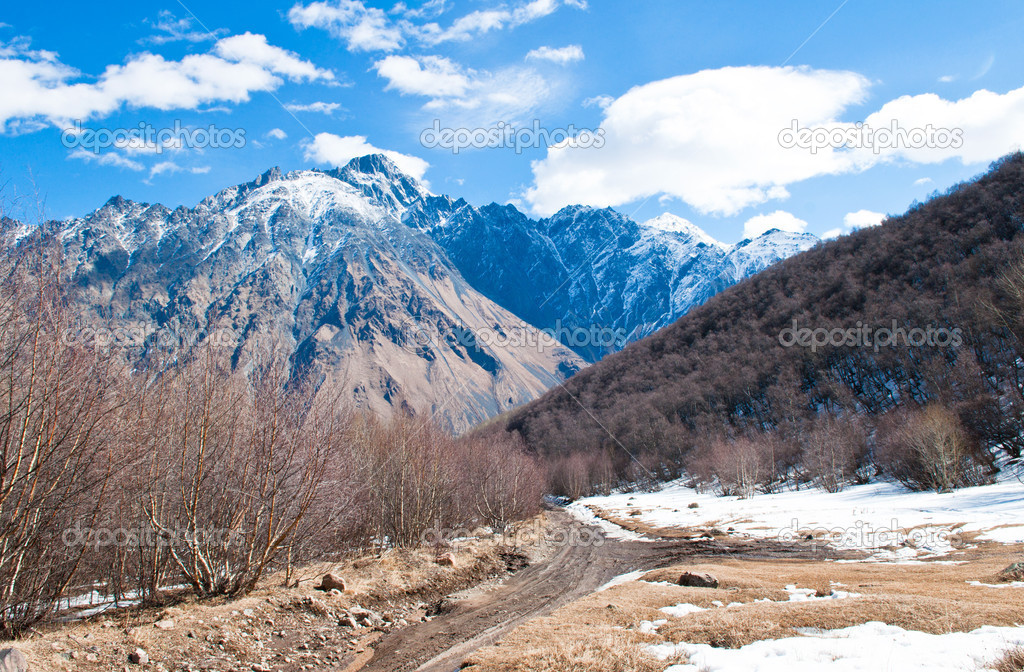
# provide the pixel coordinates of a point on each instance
(1011, 661)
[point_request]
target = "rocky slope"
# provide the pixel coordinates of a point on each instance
(320, 264)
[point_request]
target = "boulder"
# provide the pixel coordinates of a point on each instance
(446, 560)
(695, 580)
(1014, 572)
(331, 582)
(13, 660)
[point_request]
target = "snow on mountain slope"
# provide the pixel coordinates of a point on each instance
(587, 267)
(320, 264)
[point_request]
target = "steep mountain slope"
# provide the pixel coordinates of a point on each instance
(585, 267)
(402, 297)
(923, 309)
(321, 264)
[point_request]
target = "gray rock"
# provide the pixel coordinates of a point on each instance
(695, 580)
(13, 660)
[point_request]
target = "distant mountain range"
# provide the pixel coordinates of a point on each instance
(402, 297)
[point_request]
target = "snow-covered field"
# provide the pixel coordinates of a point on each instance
(884, 519)
(869, 647)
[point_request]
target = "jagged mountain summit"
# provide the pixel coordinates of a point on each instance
(399, 296)
(586, 266)
(318, 262)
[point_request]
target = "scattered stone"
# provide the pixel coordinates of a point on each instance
(367, 617)
(694, 580)
(165, 624)
(13, 660)
(139, 657)
(446, 560)
(331, 582)
(693, 505)
(1014, 572)
(248, 613)
(92, 658)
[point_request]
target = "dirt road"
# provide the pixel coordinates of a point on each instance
(568, 572)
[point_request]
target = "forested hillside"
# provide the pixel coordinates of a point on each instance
(744, 393)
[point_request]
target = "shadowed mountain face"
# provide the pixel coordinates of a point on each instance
(587, 272)
(403, 298)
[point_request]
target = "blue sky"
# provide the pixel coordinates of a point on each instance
(689, 99)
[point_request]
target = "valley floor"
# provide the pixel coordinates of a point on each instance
(900, 581)
(870, 578)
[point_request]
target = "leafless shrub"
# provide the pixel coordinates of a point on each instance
(832, 449)
(928, 449)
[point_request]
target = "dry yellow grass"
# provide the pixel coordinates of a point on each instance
(928, 597)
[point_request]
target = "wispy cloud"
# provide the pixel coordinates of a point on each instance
(172, 29)
(562, 56)
(318, 107)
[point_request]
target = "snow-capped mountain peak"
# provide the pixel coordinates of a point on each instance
(675, 224)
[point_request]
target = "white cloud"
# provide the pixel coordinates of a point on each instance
(319, 106)
(469, 97)
(712, 138)
(433, 76)
(277, 134)
(338, 150)
(238, 66)
(199, 170)
(362, 28)
(365, 28)
(163, 167)
(831, 233)
(862, 218)
(780, 219)
(106, 159)
(562, 56)
(709, 138)
(946, 79)
(991, 125)
(922, 181)
(254, 49)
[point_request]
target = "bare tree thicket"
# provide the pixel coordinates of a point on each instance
(57, 453)
(200, 470)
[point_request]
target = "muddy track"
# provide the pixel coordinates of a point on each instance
(569, 572)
